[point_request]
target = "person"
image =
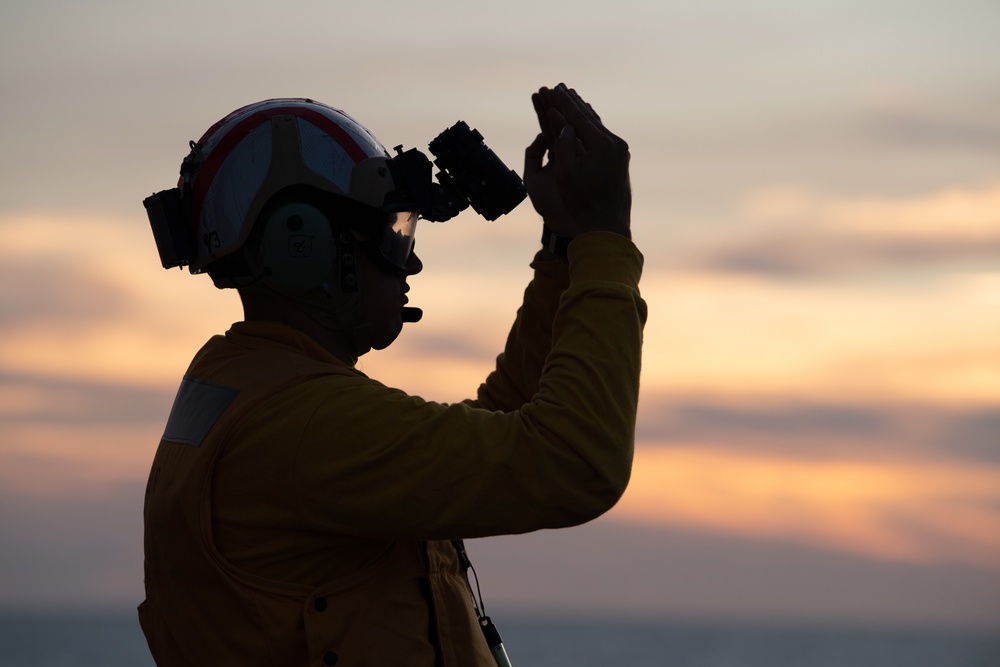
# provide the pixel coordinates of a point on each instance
(300, 513)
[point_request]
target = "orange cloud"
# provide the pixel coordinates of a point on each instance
(921, 512)
(960, 212)
(86, 297)
(752, 336)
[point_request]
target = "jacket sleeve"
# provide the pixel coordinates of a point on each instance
(365, 460)
(514, 381)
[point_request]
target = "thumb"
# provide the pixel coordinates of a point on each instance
(533, 155)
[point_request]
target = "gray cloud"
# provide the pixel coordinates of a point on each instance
(932, 132)
(818, 254)
(67, 402)
(435, 346)
(790, 427)
(808, 429)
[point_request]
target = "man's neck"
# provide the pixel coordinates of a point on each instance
(337, 340)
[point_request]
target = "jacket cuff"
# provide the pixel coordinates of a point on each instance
(604, 256)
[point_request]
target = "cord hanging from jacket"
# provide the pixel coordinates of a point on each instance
(490, 631)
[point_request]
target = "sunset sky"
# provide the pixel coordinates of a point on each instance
(817, 196)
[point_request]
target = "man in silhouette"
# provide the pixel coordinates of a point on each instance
(301, 513)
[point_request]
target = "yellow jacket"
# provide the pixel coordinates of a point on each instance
(300, 513)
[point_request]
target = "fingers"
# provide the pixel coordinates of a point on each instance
(572, 109)
(542, 111)
(584, 182)
(563, 154)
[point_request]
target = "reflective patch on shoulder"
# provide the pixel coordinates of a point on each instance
(197, 406)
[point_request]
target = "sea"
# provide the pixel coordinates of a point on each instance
(113, 639)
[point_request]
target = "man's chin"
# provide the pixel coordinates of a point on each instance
(386, 337)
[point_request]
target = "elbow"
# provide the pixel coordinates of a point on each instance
(607, 487)
(616, 487)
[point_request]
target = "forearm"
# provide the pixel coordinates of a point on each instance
(515, 379)
(588, 393)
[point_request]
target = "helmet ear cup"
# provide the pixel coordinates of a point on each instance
(297, 247)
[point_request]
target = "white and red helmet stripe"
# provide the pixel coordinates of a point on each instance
(224, 208)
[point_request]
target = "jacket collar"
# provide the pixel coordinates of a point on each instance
(274, 335)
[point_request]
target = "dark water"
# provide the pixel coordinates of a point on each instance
(72, 639)
(103, 639)
(687, 644)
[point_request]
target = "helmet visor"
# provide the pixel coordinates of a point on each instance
(396, 243)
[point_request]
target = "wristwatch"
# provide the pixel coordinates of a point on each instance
(557, 244)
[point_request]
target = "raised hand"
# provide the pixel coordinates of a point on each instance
(584, 184)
